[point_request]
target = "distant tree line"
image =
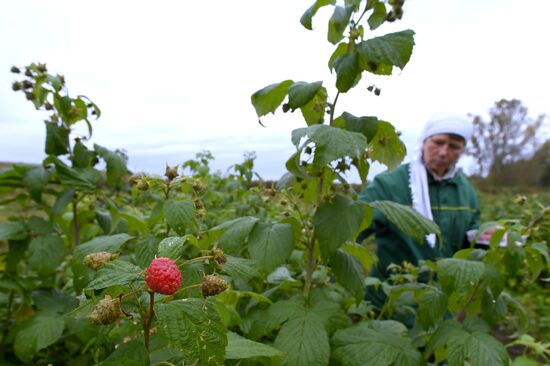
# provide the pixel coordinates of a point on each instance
(511, 148)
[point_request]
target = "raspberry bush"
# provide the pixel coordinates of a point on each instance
(194, 267)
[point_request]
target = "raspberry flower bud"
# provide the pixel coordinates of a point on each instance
(163, 276)
(219, 257)
(171, 173)
(107, 311)
(213, 285)
(96, 260)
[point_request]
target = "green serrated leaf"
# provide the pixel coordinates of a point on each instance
(52, 301)
(307, 17)
(443, 334)
(270, 244)
(305, 341)
(386, 147)
(332, 143)
(132, 353)
(493, 309)
(363, 346)
(35, 179)
(348, 72)
(349, 273)
(116, 165)
(82, 157)
(63, 199)
(459, 274)
(241, 268)
(378, 16)
(338, 23)
(314, 111)
(39, 226)
(265, 321)
(108, 243)
(339, 51)
(84, 180)
(378, 55)
(268, 99)
(368, 126)
(432, 305)
(362, 254)
(13, 230)
(37, 333)
(328, 310)
(300, 93)
(194, 328)
(46, 253)
(407, 220)
(483, 349)
(172, 247)
(78, 112)
(57, 139)
(336, 222)
(235, 238)
(179, 215)
(241, 348)
(115, 273)
(295, 168)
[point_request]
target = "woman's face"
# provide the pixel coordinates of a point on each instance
(442, 151)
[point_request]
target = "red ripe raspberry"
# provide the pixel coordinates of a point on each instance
(163, 276)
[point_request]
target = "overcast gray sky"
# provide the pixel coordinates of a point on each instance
(173, 78)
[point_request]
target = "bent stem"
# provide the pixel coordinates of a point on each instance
(198, 259)
(168, 298)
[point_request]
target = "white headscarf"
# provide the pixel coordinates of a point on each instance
(440, 123)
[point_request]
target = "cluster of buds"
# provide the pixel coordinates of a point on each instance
(213, 285)
(107, 311)
(96, 260)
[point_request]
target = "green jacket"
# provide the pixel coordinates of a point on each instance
(455, 209)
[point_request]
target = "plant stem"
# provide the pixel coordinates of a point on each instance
(6, 325)
(310, 267)
(332, 108)
(459, 316)
(75, 222)
(311, 246)
(169, 298)
(167, 196)
(197, 259)
(148, 319)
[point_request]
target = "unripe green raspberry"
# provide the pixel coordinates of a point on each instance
(213, 285)
(163, 276)
(219, 257)
(98, 259)
(107, 311)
